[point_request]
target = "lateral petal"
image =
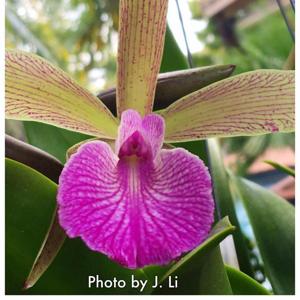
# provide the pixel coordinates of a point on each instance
(251, 103)
(35, 90)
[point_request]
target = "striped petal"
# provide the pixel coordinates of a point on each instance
(141, 38)
(38, 91)
(252, 103)
(137, 209)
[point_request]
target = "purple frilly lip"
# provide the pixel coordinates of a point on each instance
(140, 205)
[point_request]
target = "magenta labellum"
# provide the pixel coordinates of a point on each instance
(140, 204)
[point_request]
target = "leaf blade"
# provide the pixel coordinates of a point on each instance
(38, 91)
(281, 168)
(56, 141)
(224, 198)
(273, 223)
(242, 284)
(27, 215)
(51, 168)
(252, 103)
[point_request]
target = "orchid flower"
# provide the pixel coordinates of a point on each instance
(139, 203)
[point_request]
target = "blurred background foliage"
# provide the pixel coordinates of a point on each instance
(81, 37)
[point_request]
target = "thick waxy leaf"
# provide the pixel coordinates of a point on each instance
(50, 167)
(141, 38)
(242, 284)
(38, 91)
(201, 271)
(281, 168)
(252, 103)
(28, 212)
(206, 277)
(225, 203)
(173, 58)
(173, 85)
(273, 223)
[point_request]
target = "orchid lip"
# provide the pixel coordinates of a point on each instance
(140, 205)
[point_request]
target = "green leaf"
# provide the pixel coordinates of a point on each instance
(30, 200)
(224, 199)
(208, 277)
(21, 29)
(36, 90)
(273, 223)
(251, 103)
(281, 168)
(46, 137)
(51, 139)
(28, 211)
(201, 271)
(50, 167)
(173, 59)
(141, 41)
(242, 284)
